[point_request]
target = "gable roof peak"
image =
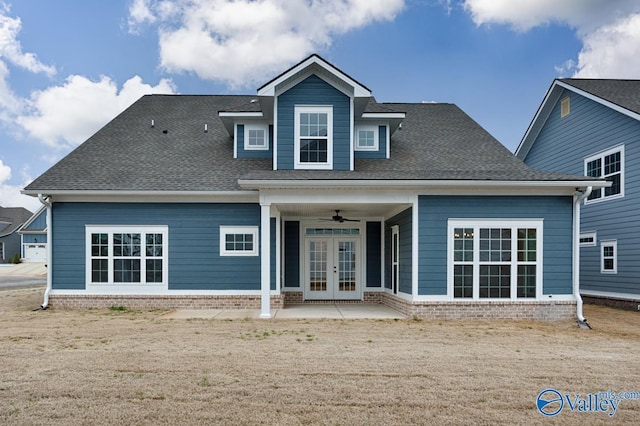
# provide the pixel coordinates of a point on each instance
(315, 63)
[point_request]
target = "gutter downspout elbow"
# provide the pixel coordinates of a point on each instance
(577, 200)
(46, 201)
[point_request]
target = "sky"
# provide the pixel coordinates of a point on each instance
(67, 67)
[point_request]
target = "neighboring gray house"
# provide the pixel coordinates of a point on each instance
(33, 236)
(309, 190)
(592, 127)
(11, 219)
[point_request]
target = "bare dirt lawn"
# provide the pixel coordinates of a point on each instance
(130, 367)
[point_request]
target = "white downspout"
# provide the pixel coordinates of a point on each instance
(47, 203)
(577, 200)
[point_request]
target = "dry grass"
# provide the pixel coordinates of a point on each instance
(128, 367)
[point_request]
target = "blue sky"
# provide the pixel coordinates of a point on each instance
(69, 66)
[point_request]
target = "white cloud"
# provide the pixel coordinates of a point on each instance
(11, 49)
(10, 195)
(612, 51)
(139, 13)
(608, 29)
(584, 15)
(66, 115)
(241, 42)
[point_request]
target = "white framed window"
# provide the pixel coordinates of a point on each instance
(565, 107)
(588, 239)
(609, 257)
(256, 137)
(609, 165)
(367, 138)
(127, 255)
(239, 241)
(313, 137)
(495, 259)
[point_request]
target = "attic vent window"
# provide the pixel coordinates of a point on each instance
(565, 107)
(256, 137)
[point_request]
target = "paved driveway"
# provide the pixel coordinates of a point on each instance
(10, 281)
(23, 275)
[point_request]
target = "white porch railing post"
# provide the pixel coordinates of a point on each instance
(265, 261)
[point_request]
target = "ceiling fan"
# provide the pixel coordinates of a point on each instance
(339, 218)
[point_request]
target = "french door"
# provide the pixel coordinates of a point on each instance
(332, 268)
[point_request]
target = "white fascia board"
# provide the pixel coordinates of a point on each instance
(358, 89)
(427, 184)
(150, 196)
(600, 100)
(240, 114)
(384, 115)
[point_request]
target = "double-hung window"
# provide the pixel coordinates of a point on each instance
(610, 166)
(313, 137)
(127, 255)
(495, 259)
(609, 257)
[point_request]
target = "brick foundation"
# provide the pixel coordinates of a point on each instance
(535, 310)
(631, 305)
(161, 302)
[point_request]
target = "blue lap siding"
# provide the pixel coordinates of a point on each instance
(404, 221)
(253, 153)
(382, 146)
(314, 91)
(562, 145)
(374, 254)
(292, 254)
(194, 242)
(435, 211)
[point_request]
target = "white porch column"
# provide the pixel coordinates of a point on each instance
(265, 260)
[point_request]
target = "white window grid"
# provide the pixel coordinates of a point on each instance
(367, 138)
(256, 137)
(599, 162)
(473, 226)
(239, 232)
(298, 137)
(152, 252)
(609, 257)
(588, 239)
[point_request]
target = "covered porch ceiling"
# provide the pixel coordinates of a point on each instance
(348, 210)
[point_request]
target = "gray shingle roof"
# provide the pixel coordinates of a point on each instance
(14, 216)
(436, 142)
(625, 93)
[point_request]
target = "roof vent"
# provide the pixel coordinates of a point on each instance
(206, 127)
(565, 107)
(253, 101)
(153, 124)
(165, 131)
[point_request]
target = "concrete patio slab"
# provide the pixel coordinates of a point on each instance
(302, 311)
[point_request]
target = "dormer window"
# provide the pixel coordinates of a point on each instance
(313, 137)
(367, 138)
(255, 137)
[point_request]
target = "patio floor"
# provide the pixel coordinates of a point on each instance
(308, 311)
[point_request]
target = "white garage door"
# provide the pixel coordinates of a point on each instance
(35, 252)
